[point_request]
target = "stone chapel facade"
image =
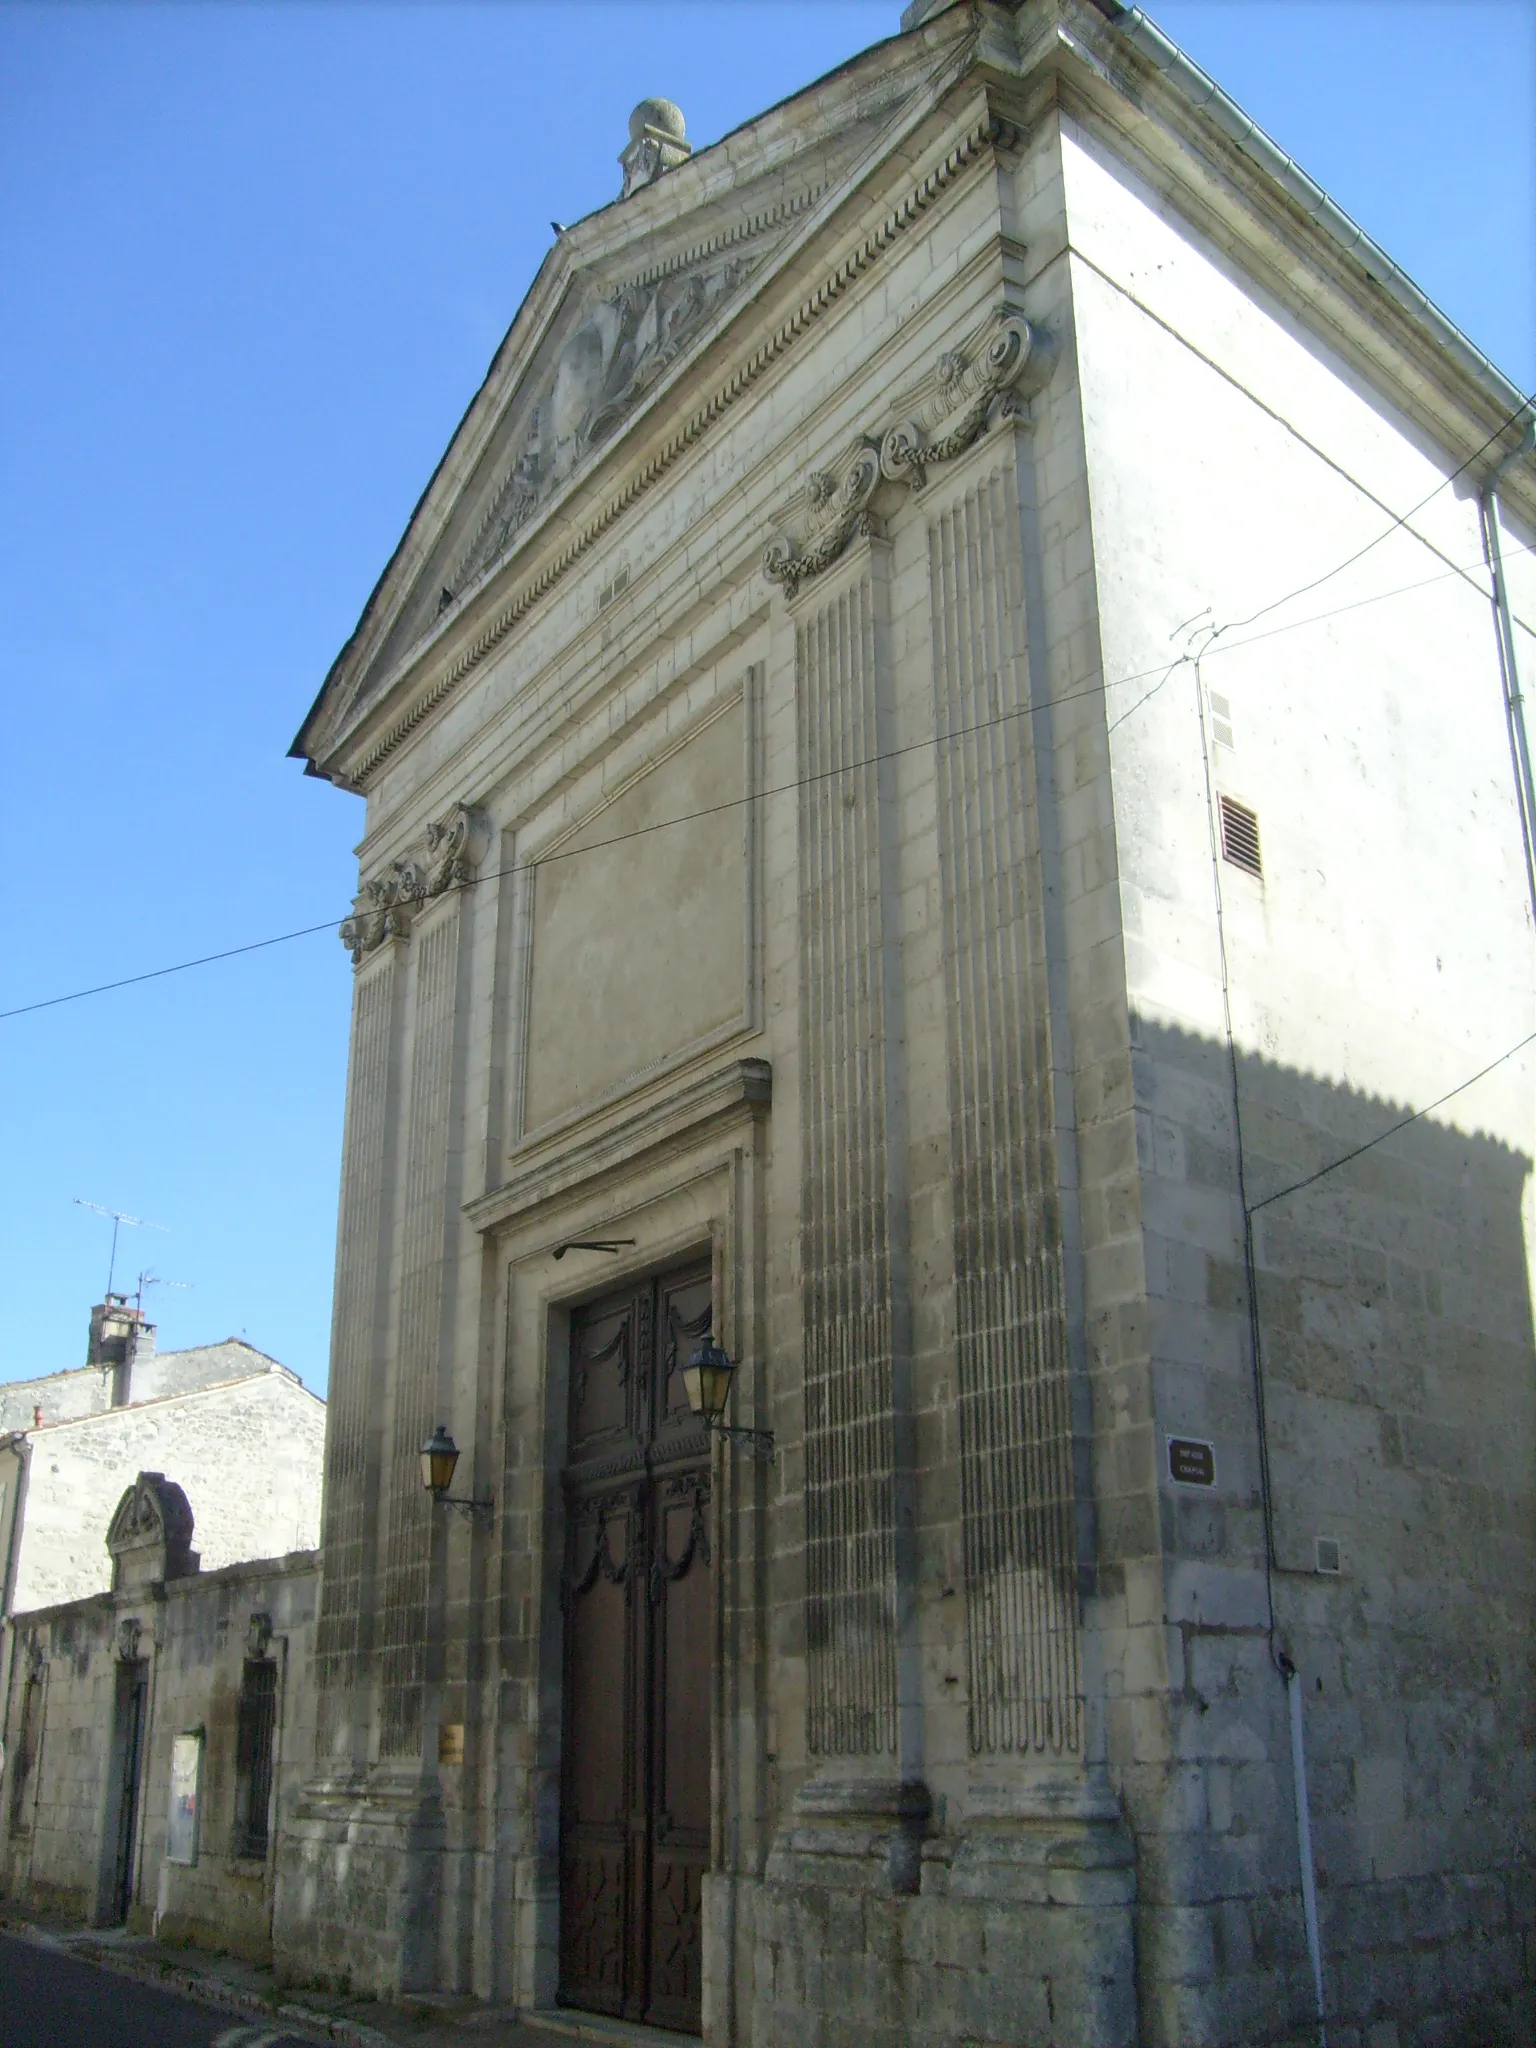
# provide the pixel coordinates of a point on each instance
(856, 868)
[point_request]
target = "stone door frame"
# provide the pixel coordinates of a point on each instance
(681, 1175)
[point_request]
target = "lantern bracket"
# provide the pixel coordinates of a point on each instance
(439, 1457)
(757, 1443)
(469, 1508)
(707, 1379)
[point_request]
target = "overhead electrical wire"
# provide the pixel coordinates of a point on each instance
(1527, 404)
(1099, 689)
(1294, 1187)
(102, 988)
(1213, 647)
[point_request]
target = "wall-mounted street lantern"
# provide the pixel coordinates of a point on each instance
(707, 1381)
(439, 1455)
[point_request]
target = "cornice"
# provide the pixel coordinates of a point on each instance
(1173, 125)
(984, 130)
(766, 152)
(555, 1168)
(638, 301)
(1201, 91)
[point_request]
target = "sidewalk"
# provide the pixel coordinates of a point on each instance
(252, 1992)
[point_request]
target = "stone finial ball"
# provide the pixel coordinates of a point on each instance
(658, 114)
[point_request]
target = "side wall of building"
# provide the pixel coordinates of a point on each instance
(1382, 958)
(249, 1454)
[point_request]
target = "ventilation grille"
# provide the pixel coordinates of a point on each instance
(1221, 721)
(1240, 836)
(1329, 1555)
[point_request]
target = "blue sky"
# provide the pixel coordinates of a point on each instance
(256, 260)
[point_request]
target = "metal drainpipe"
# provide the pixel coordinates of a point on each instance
(22, 1448)
(1509, 669)
(1292, 1679)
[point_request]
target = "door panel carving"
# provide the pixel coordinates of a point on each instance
(635, 1783)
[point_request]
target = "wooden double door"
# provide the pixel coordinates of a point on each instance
(637, 1595)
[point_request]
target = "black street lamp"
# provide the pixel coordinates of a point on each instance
(439, 1456)
(707, 1379)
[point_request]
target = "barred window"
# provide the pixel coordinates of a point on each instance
(253, 1757)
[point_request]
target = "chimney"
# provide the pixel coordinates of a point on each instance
(119, 1335)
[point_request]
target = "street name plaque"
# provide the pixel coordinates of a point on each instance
(1191, 1461)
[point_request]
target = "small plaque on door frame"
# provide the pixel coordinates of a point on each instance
(450, 1742)
(1191, 1461)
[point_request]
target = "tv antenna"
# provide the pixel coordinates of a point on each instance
(148, 1279)
(118, 1220)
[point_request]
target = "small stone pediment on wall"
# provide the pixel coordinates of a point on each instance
(150, 1534)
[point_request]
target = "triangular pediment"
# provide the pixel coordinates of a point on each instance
(623, 305)
(610, 347)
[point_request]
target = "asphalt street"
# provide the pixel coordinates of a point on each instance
(50, 2000)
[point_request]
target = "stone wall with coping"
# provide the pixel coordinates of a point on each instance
(193, 1636)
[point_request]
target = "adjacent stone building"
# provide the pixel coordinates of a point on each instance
(154, 1734)
(948, 809)
(242, 1433)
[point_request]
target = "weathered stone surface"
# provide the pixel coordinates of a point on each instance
(246, 1449)
(195, 1639)
(893, 594)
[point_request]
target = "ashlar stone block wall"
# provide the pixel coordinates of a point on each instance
(952, 1017)
(248, 1452)
(192, 1637)
(1375, 1528)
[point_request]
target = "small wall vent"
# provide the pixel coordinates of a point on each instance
(1221, 721)
(1240, 836)
(1329, 1556)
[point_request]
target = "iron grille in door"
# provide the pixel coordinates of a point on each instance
(253, 1758)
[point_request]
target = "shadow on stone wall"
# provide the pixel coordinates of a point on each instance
(1399, 1374)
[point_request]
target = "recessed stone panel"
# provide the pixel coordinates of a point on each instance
(639, 926)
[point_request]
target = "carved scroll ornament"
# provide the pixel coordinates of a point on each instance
(449, 854)
(837, 511)
(969, 389)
